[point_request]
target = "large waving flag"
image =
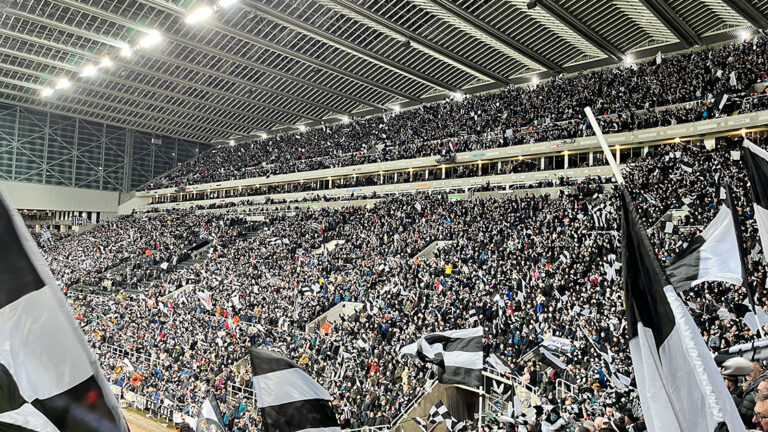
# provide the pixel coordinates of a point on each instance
(49, 379)
(457, 353)
(713, 255)
(679, 385)
(756, 160)
(289, 400)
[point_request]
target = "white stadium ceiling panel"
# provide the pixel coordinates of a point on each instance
(271, 65)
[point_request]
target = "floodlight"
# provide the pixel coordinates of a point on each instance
(152, 38)
(199, 14)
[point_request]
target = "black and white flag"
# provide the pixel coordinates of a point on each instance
(420, 423)
(472, 315)
(209, 419)
(49, 379)
(289, 400)
(438, 413)
(713, 255)
(458, 355)
(756, 160)
(679, 385)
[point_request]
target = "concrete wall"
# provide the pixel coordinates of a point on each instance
(31, 196)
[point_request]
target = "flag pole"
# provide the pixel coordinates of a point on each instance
(604, 145)
(480, 412)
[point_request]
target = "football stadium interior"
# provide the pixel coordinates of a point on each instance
(383, 215)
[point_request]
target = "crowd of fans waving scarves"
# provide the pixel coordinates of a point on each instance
(266, 285)
(643, 95)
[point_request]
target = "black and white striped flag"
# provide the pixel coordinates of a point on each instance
(679, 385)
(210, 419)
(473, 315)
(49, 378)
(713, 255)
(289, 400)
(457, 353)
(756, 160)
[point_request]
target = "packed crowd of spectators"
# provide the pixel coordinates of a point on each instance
(627, 97)
(530, 266)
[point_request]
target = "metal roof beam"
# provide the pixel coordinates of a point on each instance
(496, 35)
(169, 8)
(126, 23)
(4, 66)
(110, 77)
(305, 28)
(749, 12)
(186, 123)
(113, 43)
(581, 29)
(419, 42)
(667, 16)
(120, 116)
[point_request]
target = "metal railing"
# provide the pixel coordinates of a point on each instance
(563, 388)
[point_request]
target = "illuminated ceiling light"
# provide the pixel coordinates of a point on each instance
(126, 51)
(106, 62)
(226, 3)
(628, 60)
(62, 83)
(152, 38)
(263, 134)
(743, 131)
(535, 80)
(396, 108)
(345, 119)
(302, 128)
(46, 92)
(677, 140)
(198, 15)
(745, 35)
(459, 96)
(89, 71)
(231, 143)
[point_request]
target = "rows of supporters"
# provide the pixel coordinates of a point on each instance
(529, 266)
(681, 89)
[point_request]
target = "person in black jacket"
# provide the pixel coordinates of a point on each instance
(746, 401)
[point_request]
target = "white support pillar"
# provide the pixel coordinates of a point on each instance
(591, 158)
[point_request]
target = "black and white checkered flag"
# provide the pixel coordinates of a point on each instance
(438, 413)
(420, 423)
(49, 377)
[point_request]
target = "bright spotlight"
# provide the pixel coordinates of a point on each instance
(628, 60)
(62, 83)
(396, 108)
(263, 134)
(198, 15)
(126, 51)
(106, 62)
(302, 128)
(459, 96)
(89, 71)
(152, 38)
(745, 35)
(46, 92)
(231, 143)
(226, 3)
(535, 80)
(345, 119)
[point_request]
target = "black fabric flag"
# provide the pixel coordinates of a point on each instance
(713, 255)
(679, 385)
(457, 353)
(210, 419)
(288, 398)
(756, 160)
(50, 380)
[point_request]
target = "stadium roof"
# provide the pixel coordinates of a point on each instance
(265, 66)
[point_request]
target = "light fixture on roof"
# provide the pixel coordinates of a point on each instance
(46, 92)
(126, 51)
(226, 3)
(745, 35)
(231, 143)
(396, 108)
(89, 71)
(106, 62)
(302, 128)
(345, 119)
(62, 84)
(199, 14)
(263, 134)
(535, 80)
(152, 38)
(628, 60)
(459, 96)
